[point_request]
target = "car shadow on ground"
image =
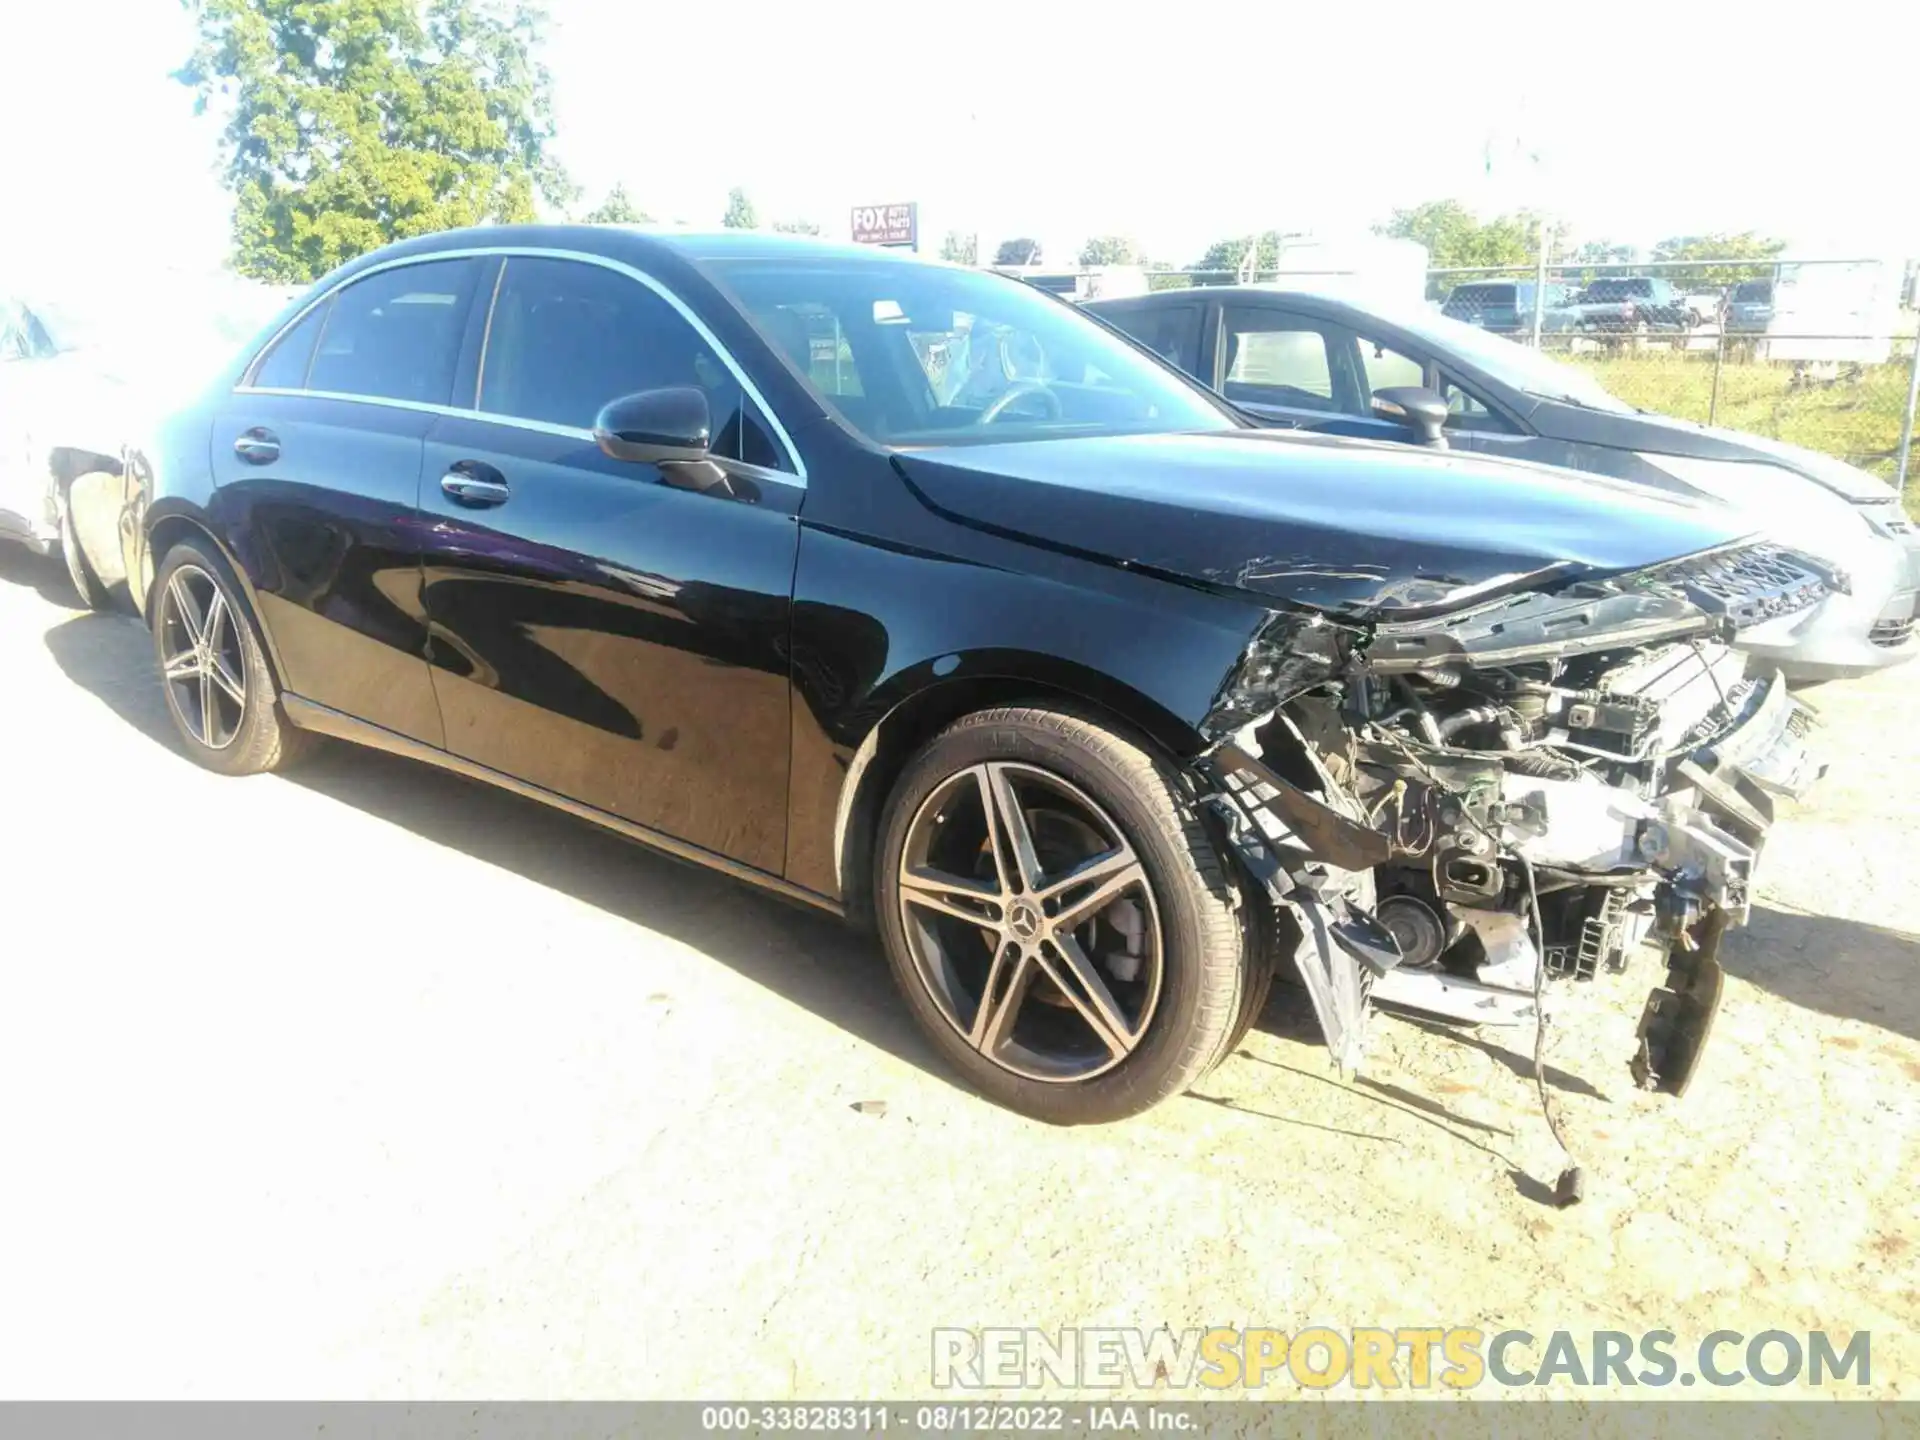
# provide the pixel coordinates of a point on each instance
(1844, 968)
(806, 956)
(46, 575)
(1838, 967)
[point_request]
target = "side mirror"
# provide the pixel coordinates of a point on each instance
(656, 425)
(1416, 407)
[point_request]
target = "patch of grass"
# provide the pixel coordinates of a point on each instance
(1856, 419)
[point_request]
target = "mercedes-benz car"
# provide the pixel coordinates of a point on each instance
(912, 593)
(1316, 359)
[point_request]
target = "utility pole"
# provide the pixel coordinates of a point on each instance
(1540, 279)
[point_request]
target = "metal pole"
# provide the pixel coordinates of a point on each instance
(1906, 425)
(1719, 355)
(1540, 281)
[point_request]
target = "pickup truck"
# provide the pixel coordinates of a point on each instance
(1631, 305)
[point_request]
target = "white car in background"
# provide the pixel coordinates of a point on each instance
(84, 371)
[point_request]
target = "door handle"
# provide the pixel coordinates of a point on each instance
(476, 491)
(258, 446)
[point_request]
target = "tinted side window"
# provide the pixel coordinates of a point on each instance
(1273, 359)
(1171, 331)
(1383, 368)
(1467, 411)
(284, 366)
(396, 335)
(566, 337)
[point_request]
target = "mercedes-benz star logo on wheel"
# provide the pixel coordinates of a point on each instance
(1025, 921)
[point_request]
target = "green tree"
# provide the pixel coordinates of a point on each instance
(1744, 246)
(357, 122)
(1110, 250)
(796, 227)
(1225, 256)
(960, 248)
(616, 209)
(1455, 237)
(1604, 252)
(1022, 250)
(740, 212)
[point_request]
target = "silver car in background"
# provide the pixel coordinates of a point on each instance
(84, 367)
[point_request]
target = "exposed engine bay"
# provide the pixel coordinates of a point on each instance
(1452, 809)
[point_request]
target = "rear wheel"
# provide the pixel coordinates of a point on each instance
(1058, 918)
(219, 689)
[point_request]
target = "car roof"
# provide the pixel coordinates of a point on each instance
(1272, 294)
(637, 243)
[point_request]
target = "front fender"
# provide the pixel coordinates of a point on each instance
(890, 644)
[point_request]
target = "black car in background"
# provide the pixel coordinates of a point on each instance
(1631, 305)
(1317, 360)
(1506, 306)
(911, 593)
(1750, 308)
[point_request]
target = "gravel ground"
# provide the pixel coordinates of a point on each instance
(368, 1081)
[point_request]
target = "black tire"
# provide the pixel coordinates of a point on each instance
(261, 738)
(1209, 963)
(1262, 960)
(86, 584)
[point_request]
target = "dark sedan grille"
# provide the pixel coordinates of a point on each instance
(1747, 586)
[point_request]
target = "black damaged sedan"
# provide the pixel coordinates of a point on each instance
(911, 593)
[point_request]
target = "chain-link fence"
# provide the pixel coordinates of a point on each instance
(1817, 353)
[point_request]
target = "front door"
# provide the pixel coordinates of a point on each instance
(317, 460)
(1301, 372)
(596, 631)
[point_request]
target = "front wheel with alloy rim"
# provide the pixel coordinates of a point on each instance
(1058, 918)
(219, 689)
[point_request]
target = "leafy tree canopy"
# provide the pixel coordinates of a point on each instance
(1744, 246)
(616, 209)
(1022, 250)
(1455, 237)
(357, 122)
(740, 212)
(1110, 250)
(1226, 255)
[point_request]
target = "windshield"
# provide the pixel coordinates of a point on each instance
(1513, 364)
(913, 353)
(1753, 292)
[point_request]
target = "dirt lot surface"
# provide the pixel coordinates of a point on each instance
(368, 1081)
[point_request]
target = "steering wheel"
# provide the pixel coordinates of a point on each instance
(1019, 390)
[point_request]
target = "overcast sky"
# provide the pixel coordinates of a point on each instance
(1175, 124)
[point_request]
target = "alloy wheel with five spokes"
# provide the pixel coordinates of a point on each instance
(1030, 921)
(201, 659)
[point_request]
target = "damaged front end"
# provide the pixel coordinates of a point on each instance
(1454, 807)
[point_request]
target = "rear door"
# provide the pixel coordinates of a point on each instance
(316, 456)
(597, 631)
